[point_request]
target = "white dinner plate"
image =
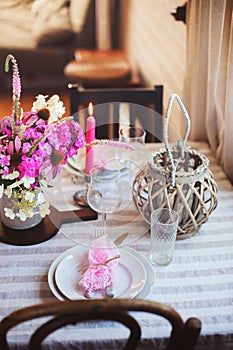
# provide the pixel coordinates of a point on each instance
(143, 294)
(129, 276)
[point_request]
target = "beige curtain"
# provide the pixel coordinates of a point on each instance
(209, 76)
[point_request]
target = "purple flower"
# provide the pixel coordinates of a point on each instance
(52, 164)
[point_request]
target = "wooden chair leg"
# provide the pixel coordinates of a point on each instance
(192, 329)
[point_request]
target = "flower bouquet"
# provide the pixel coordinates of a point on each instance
(33, 147)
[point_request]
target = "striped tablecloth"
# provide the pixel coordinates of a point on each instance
(199, 282)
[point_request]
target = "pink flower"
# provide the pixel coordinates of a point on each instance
(38, 142)
(34, 145)
(16, 84)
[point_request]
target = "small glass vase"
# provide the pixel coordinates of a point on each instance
(17, 223)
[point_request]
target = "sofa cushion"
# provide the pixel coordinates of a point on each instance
(16, 24)
(56, 22)
(51, 25)
(32, 23)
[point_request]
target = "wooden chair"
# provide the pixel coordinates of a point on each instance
(183, 335)
(145, 108)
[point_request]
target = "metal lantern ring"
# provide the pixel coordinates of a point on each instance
(177, 178)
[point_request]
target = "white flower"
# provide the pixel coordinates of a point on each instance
(54, 105)
(56, 108)
(39, 103)
(29, 196)
(53, 100)
(12, 176)
(43, 184)
(30, 213)
(27, 181)
(9, 213)
(22, 215)
(22, 130)
(8, 191)
(40, 198)
(44, 209)
(15, 184)
(1, 190)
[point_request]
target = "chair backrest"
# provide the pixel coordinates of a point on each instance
(145, 107)
(183, 335)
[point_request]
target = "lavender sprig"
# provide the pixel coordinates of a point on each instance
(16, 84)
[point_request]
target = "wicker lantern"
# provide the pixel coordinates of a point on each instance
(177, 178)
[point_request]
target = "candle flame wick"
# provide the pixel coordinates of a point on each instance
(90, 108)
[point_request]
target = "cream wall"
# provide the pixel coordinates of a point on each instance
(156, 46)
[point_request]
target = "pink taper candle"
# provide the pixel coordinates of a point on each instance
(90, 136)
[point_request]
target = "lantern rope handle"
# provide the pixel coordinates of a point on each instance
(181, 143)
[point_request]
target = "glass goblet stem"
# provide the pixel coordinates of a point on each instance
(104, 218)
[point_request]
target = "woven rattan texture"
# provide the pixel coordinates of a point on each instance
(194, 195)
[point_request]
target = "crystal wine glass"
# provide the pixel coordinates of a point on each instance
(109, 190)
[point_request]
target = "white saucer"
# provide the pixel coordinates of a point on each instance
(143, 294)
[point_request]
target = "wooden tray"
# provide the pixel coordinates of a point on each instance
(45, 230)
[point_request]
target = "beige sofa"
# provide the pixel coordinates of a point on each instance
(43, 35)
